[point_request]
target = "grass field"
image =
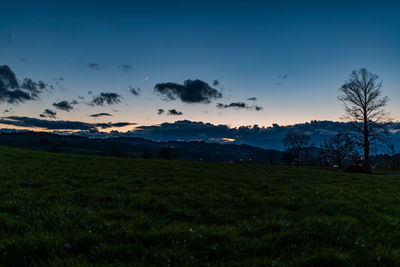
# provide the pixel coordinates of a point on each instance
(67, 210)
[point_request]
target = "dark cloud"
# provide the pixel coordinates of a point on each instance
(265, 137)
(160, 111)
(35, 88)
(174, 112)
(12, 92)
(215, 82)
(103, 114)
(239, 105)
(65, 105)
(106, 98)
(59, 124)
(94, 66)
(47, 124)
(113, 125)
(134, 91)
(252, 98)
(8, 80)
(48, 113)
(126, 67)
(191, 91)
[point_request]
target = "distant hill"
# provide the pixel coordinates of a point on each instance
(140, 147)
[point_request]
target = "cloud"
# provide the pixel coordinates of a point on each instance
(12, 92)
(174, 112)
(94, 66)
(47, 124)
(265, 137)
(48, 113)
(134, 91)
(103, 114)
(65, 105)
(59, 82)
(252, 98)
(59, 124)
(113, 125)
(35, 88)
(238, 105)
(126, 67)
(191, 91)
(106, 98)
(160, 111)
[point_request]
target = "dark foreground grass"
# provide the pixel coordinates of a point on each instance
(66, 210)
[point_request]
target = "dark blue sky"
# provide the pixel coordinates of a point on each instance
(291, 55)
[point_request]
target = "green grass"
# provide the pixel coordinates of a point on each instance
(68, 210)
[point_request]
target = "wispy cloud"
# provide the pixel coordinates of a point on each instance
(94, 66)
(126, 67)
(103, 114)
(238, 105)
(134, 91)
(48, 113)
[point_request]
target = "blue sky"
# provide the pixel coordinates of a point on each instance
(248, 46)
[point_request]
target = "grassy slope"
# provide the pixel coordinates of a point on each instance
(77, 210)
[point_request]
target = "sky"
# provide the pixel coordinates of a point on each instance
(292, 56)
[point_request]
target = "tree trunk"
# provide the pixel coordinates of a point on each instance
(366, 141)
(367, 168)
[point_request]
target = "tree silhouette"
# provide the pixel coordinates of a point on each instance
(337, 148)
(364, 104)
(295, 142)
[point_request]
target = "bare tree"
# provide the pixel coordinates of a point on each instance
(296, 142)
(364, 104)
(337, 148)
